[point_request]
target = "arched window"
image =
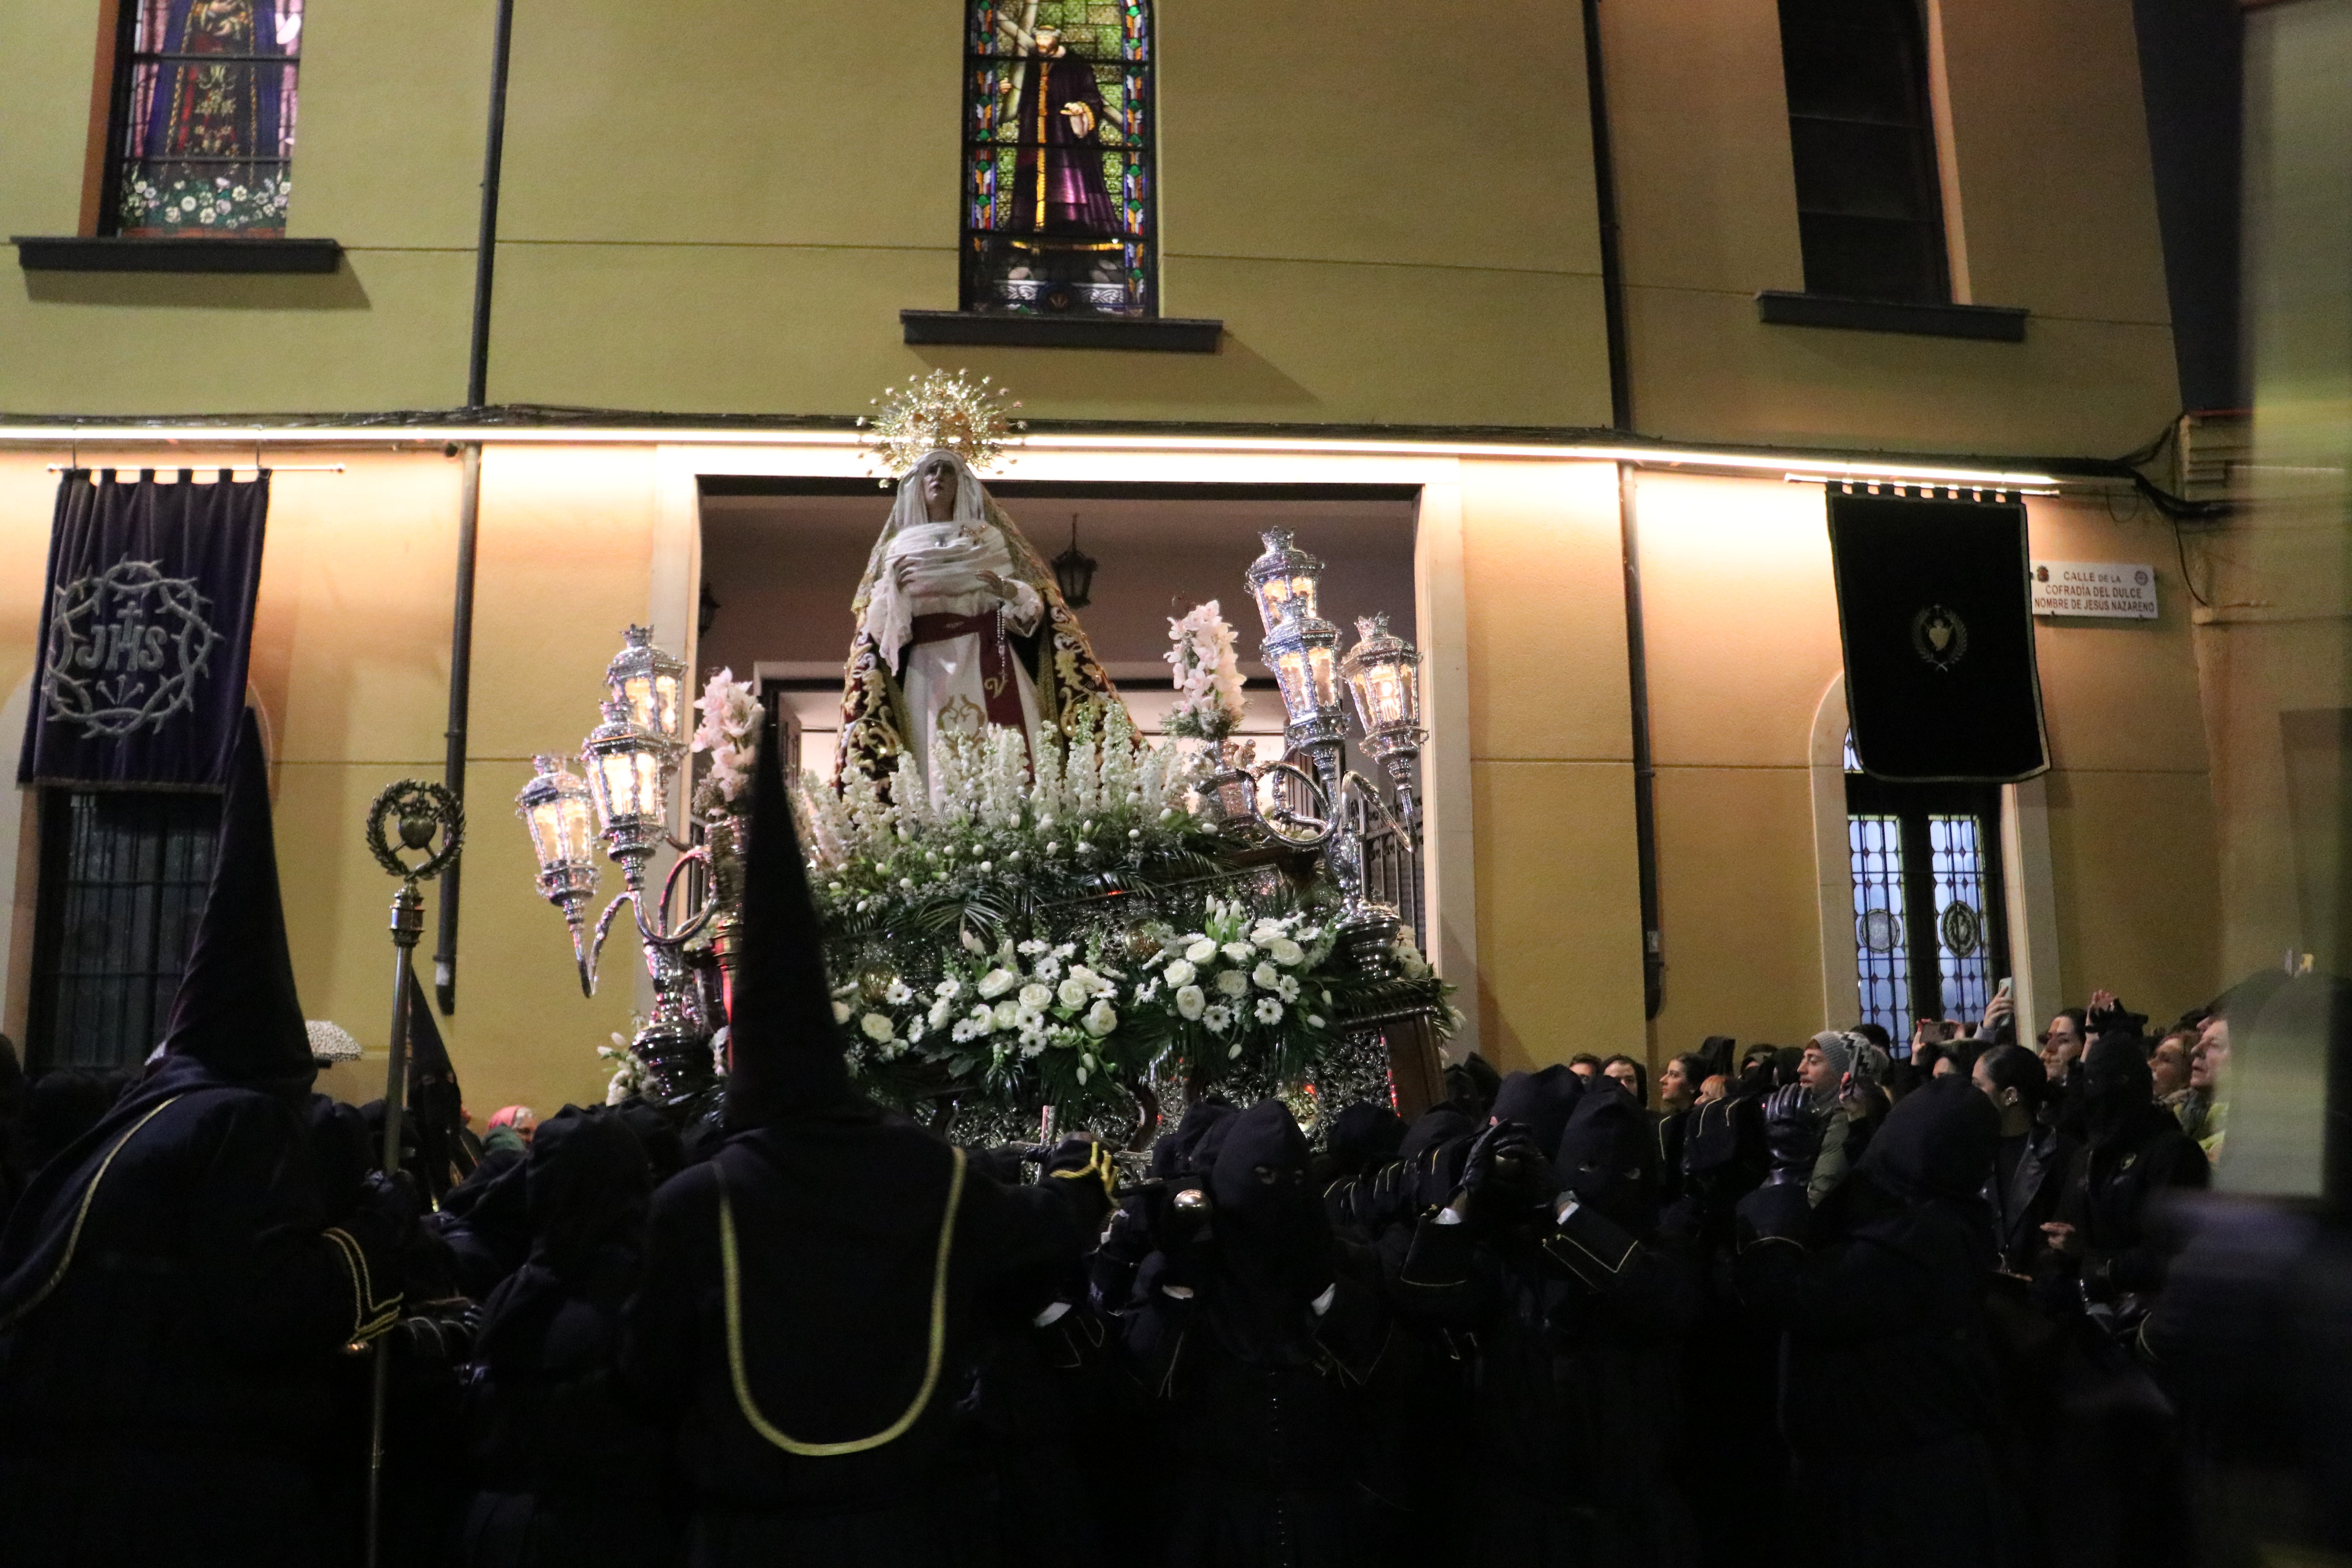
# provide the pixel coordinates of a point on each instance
(1057, 159)
(1931, 937)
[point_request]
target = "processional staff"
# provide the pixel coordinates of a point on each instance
(422, 813)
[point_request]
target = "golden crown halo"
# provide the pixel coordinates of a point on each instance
(970, 419)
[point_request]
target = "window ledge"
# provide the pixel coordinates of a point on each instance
(1166, 334)
(227, 253)
(1991, 323)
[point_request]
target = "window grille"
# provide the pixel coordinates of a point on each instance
(1930, 936)
(201, 128)
(1870, 210)
(1962, 876)
(1882, 962)
(124, 879)
(1057, 197)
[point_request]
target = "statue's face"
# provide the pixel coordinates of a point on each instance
(1049, 40)
(939, 490)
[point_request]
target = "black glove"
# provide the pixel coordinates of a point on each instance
(1776, 1212)
(1507, 1170)
(1793, 1131)
(442, 1334)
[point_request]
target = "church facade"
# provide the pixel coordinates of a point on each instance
(1601, 302)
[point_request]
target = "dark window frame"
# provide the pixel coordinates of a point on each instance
(149, 903)
(983, 53)
(1840, 120)
(116, 160)
(1912, 804)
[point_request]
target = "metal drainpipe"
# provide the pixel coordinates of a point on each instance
(1620, 411)
(469, 506)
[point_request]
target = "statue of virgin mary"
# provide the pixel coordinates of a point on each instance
(960, 624)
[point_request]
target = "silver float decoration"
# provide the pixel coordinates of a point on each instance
(631, 760)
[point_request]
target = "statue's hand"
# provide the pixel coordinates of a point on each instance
(997, 585)
(1081, 118)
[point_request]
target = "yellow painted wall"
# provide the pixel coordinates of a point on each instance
(1559, 956)
(387, 160)
(351, 664)
(724, 205)
(2058, 214)
(1740, 620)
(1740, 613)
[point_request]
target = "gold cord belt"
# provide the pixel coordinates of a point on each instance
(82, 1213)
(939, 1340)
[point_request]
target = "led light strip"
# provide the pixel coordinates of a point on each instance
(1815, 469)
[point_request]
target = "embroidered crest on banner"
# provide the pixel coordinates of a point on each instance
(1940, 636)
(126, 645)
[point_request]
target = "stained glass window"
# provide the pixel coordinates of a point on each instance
(1963, 953)
(1882, 963)
(1929, 935)
(1057, 197)
(202, 135)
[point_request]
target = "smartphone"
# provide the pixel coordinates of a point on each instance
(2007, 983)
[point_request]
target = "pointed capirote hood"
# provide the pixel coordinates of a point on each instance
(784, 1049)
(436, 1104)
(236, 1012)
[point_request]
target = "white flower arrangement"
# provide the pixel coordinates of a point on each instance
(729, 734)
(628, 1073)
(1208, 675)
(1063, 1034)
(1004, 812)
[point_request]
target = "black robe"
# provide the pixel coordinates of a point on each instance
(1890, 1397)
(836, 1215)
(169, 1399)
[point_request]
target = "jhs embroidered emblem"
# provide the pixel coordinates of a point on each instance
(126, 645)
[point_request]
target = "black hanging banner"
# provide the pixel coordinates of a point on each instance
(145, 631)
(1936, 615)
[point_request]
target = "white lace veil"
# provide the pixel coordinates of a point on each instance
(886, 617)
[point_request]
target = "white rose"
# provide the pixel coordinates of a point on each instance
(1232, 983)
(1190, 1001)
(841, 1011)
(997, 982)
(1075, 992)
(1286, 953)
(1239, 952)
(876, 1027)
(1265, 978)
(1179, 972)
(1036, 996)
(1101, 1019)
(1201, 950)
(1007, 1013)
